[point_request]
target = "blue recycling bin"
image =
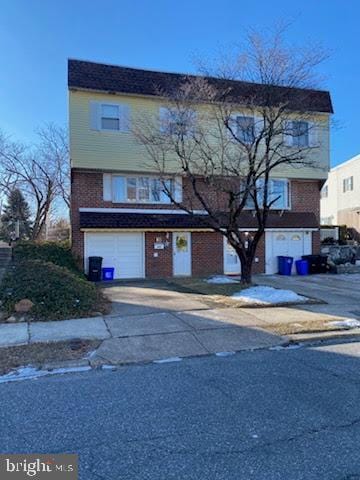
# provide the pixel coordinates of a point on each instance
(302, 267)
(285, 265)
(108, 273)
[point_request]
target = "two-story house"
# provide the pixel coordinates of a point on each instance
(119, 211)
(340, 195)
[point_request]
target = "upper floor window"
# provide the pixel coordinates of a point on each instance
(348, 184)
(278, 194)
(324, 191)
(300, 134)
(111, 117)
(177, 122)
(142, 189)
(245, 129)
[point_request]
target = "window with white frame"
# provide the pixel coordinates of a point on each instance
(110, 117)
(177, 122)
(245, 129)
(278, 194)
(348, 184)
(300, 134)
(142, 189)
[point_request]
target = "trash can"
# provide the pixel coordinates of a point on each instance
(285, 265)
(302, 267)
(94, 274)
(317, 263)
(108, 273)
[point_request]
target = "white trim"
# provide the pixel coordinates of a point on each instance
(139, 210)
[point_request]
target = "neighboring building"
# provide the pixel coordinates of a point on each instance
(340, 195)
(118, 210)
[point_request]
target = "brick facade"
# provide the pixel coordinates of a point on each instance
(207, 253)
(207, 247)
(158, 263)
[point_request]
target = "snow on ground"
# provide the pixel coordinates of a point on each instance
(31, 373)
(268, 296)
(221, 279)
(348, 323)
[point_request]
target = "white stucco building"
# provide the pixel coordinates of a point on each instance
(340, 195)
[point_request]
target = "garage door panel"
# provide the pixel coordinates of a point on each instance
(122, 251)
(291, 244)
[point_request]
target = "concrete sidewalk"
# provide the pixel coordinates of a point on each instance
(155, 336)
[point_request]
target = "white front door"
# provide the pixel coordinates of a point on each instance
(286, 243)
(231, 260)
(182, 253)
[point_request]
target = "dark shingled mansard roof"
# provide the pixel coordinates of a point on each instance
(117, 79)
(145, 221)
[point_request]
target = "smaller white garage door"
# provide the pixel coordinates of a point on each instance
(122, 251)
(290, 244)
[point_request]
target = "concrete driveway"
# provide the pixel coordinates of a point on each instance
(149, 321)
(339, 294)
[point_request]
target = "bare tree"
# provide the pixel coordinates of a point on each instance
(228, 140)
(54, 147)
(40, 171)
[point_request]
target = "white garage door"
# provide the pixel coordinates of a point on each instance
(123, 251)
(290, 244)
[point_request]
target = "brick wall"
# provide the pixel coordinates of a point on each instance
(159, 266)
(87, 192)
(207, 253)
(305, 197)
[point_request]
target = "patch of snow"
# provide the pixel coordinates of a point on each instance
(348, 323)
(224, 354)
(221, 279)
(108, 367)
(268, 296)
(32, 373)
(168, 360)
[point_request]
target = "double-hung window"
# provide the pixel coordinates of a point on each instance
(110, 117)
(177, 122)
(300, 134)
(245, 129)
(348, 184)
(142, 189)
(278, 194)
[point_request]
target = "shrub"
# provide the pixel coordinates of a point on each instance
(58, 253)
(56, 292)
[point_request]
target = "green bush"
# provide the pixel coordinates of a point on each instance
(56, 292)
(58, 253)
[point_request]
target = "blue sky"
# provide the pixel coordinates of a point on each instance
(37, 37)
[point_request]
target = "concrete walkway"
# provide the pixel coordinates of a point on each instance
(150, 322)
(154, 336)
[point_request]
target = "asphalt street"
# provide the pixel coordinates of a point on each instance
(269, 414)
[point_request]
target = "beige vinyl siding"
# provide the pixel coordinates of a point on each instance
(120, 151)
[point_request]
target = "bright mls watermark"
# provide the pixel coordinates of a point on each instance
(40, 467)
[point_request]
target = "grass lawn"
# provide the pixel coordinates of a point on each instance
(39, 353)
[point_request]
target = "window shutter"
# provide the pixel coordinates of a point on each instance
(124, 113)
(95, 115)
(118, 188)
(178, 189)
(107, 194)
(287, 129)
(313, 134)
